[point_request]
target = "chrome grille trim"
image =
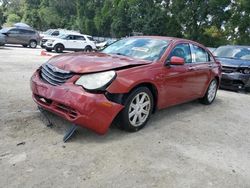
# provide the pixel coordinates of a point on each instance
(54, 75)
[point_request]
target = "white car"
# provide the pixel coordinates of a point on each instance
(54, 33)
(70, 42)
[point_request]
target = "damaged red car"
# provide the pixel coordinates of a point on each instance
(127, 81)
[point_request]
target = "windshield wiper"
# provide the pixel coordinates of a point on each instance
(119, 54)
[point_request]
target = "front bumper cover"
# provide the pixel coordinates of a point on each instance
(92, 111)
(235, 81)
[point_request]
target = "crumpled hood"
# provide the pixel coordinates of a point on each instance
(233, 62)
(81, 62)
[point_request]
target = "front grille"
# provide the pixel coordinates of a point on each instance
(54, 75)
(227, 69)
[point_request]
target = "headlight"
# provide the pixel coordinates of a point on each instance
(50, 41)
(96, 81)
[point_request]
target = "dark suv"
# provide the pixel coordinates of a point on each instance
(24, 36)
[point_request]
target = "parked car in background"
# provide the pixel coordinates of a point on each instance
(129, 80)
(71, 42)
(211, 49)
(235, 62)
(53, 33)
(2, 39)
(21, 35)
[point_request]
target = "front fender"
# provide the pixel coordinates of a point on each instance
(127, 79)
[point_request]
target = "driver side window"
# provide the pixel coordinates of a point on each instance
(183, 51)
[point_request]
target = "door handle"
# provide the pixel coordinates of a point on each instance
(191, 68)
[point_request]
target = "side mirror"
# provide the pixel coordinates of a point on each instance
(177, 60)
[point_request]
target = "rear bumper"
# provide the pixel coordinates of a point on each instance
(92, 111)
(235, 81)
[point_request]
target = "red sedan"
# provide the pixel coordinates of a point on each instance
(127, 81)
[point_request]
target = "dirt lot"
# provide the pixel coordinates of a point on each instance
(190, 145)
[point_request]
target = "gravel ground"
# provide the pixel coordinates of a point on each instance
(190, 145)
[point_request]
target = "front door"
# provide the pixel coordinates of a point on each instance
(178, 78)
(13, 36)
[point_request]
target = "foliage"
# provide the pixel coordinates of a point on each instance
(211, 22)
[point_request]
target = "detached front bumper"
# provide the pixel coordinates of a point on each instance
(235, 81)
(92, 111)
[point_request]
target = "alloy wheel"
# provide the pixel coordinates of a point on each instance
(139, 109)
(212, 91)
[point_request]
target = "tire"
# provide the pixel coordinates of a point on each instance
(88, 49)
(210, 93)
(139, 103)
(48, 50)
(25, 45)
(59, 48)
(33, 44)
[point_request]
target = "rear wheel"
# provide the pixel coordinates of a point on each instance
(33, 44)
(137, 111)
(211, 93)
(59, 48)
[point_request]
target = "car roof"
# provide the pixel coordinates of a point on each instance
(165, 38)
(25, 28)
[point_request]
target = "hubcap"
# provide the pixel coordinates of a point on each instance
(212, 91)
(139, 109)
(32, 44)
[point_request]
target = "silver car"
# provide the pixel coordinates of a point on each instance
(2, 39)
(24, 36)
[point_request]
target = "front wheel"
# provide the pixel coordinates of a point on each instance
(33, 44)
(59, 48)
(137, 111)
(211, 93)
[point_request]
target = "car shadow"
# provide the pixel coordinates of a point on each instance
(83, 135)
(20, 46)
(3, 48)
(236, 91)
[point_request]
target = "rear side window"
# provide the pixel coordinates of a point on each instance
(27, 32)
(183, 51)
(79, 38)
(199, 55)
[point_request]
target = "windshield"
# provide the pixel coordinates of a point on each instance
(48, 32)
(4, 30)
(138, 48)
(91, 38)
(233, 52)
(63, 36)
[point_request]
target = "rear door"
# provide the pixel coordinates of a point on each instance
(24, 36)
(202, 65)
(80, 42)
